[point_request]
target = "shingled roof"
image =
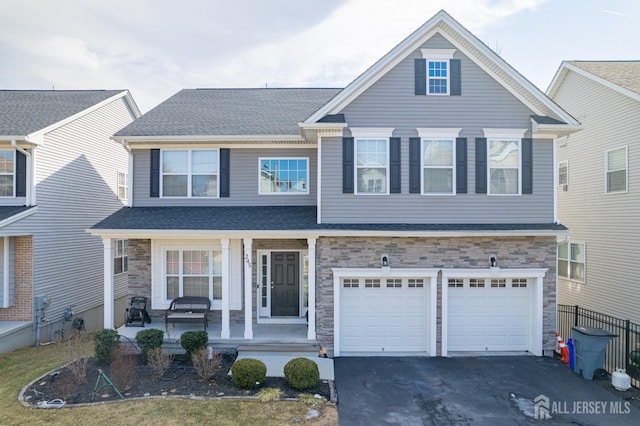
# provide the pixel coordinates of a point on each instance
(625, 74)
(230, 112)
(23, 112)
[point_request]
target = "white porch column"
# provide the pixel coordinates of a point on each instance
(248, 289)
(109, 290)
(311, 328)
(226, 293)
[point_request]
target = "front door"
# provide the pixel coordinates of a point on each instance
(285, 284)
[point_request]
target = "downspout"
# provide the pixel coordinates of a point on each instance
(129, 194)
(26, 153)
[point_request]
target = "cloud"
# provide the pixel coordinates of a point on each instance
(611, 12)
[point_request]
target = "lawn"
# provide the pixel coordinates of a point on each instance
(20, 367)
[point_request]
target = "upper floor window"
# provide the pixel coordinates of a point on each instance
(571, 261)
(438, 160)
(120, 257)
(284, 175)
(372, 166)
(122, 186)
(7, 173)
(504, 161)
(190, 173)
(563, 173)
(438, 72)
(616, 170)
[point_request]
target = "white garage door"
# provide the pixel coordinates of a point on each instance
(489, 314)
(384, 315)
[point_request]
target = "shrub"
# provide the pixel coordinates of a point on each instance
(206, 367)
(104, 343)
(247, 373)
(123, 367)
(149, 339)
(269, 394)
(193, 341)
(160, 361)
(78, 362)
(301, 373)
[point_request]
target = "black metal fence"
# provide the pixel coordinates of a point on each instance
(622, 352)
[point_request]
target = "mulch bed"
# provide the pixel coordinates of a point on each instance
(180, 380)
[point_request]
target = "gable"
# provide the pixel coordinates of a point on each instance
(391, 100)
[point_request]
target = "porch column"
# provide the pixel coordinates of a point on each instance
(109, 290)
(248, 289)
(226, 271)
(311, 327)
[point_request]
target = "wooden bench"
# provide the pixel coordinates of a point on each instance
(188, 309)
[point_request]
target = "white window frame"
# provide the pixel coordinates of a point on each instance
(261, 192)
(504, 135)
(120, 256)
(12, 174)
(188, 173)
(363, 134)
(607, 171)
(438, 134)
(181, 275)
(568, 276)
(564, 163)
(438, 55)
(122, 184)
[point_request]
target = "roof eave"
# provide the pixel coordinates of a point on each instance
(206, 138)
(553, 131)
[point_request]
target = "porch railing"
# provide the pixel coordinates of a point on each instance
(622, 351)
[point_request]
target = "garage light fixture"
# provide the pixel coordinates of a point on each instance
(384, 260)
(493, 261)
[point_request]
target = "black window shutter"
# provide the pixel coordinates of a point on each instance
(455, 78)
(154, 185)
(394, 165)
(461, 165)
(481, 165)
(224, 171)
(21, 174)
(420, 76)
(414, 165)
(527, 166)
(347, 165)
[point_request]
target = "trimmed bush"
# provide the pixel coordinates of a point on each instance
(104, 342)
(193, 341)
(301, 373)
(247, 373)
(149, 339)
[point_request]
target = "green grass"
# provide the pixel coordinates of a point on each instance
(25, 365)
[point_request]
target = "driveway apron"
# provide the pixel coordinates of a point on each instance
(472, 391)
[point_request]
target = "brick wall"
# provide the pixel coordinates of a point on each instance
(516, 252)
(23, 282)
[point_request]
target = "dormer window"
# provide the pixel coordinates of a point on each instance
(437, 73)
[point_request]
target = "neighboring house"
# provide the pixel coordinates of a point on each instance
(598, 174)
(376, 210)
(60, 173)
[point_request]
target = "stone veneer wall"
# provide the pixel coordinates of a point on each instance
(467, 252)
(22, 309)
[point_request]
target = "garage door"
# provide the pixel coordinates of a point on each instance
(489, 314)
(384, 315)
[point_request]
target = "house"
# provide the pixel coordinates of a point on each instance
(409, 212)
(60, 173)
(597, 179)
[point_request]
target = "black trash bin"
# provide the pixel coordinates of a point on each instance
(590, 345)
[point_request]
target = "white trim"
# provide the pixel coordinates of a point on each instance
(18, 216)
(211, 138)
(319, 181)
(109, 288)
(537, 276)
(371, 132)
(568, 242)
(491, 133)
(431, 273)
(360, 135)
(225, 332)
(248, 288)
(626, 169)
(311, 280)
(504, 135)
(6, 282)
(566, 163)
(438, 55)
(438, 132)
(283, 193)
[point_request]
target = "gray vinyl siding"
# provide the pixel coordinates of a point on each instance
(608, 224)
(76, 187)
(391, 102)
(416, 208)
(243, 180)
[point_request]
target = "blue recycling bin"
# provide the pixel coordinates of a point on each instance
(571, 353)
(589, 346)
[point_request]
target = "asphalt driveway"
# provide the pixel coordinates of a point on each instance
(472, 391)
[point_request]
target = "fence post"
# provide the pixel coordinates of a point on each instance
(627, 330)
(575, 316)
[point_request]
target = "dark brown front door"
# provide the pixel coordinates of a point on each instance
(285, 284)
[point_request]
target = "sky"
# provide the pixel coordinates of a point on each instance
(154, 48)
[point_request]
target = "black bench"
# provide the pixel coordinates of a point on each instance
(188, 309)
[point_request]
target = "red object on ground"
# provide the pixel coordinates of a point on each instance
(564, 350)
